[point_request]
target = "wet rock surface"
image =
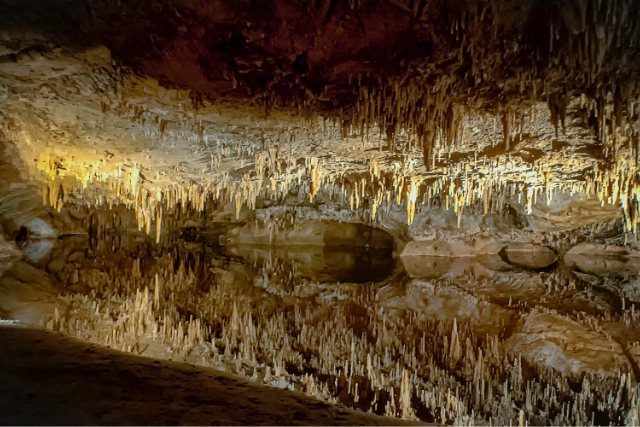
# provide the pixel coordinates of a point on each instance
(319, 233)
(528, 255)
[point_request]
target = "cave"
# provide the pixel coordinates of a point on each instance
(334, 212)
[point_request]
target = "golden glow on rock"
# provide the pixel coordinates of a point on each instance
(487, 184)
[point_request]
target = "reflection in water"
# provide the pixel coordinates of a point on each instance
(491, 278)
(433, 267)
(324, 263)
(600, 265)
(36, 250)
(464, 341)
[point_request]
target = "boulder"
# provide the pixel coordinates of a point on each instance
(311, 232)
(529, 255)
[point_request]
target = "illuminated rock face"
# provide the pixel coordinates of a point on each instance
(529, 256)
(318, 233)
(425, 106)
(569, 211)
(19, 202)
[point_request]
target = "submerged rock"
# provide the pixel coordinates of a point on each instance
(432, 267)
(519, 286)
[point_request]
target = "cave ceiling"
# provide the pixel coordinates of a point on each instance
(437, 94)
(333, 56)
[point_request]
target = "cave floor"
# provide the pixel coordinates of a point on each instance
(52, 379)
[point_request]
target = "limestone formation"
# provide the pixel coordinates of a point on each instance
(426, 210)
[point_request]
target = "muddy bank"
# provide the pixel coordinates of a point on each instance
(52, 379)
